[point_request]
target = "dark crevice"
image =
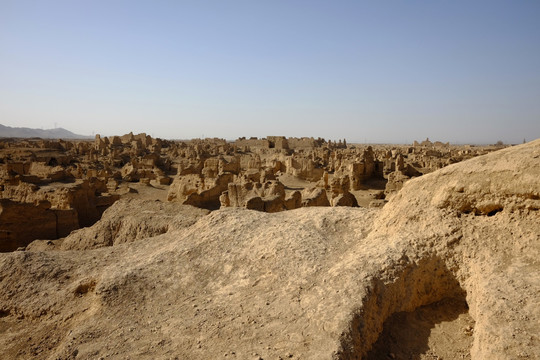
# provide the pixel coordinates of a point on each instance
(85, 287)
(493, 212)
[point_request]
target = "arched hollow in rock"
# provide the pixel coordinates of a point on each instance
(414, 285)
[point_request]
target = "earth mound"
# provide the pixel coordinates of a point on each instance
(454, 251)
(129, 220)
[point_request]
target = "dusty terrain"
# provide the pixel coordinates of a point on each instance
(447, 269)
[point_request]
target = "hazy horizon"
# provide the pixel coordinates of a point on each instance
(391, 72)
(349, 141)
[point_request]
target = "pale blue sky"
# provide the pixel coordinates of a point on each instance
(377, 71)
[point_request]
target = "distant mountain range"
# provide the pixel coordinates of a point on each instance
(22, 132)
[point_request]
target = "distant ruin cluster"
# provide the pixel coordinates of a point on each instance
(278, 173)
(49, 188)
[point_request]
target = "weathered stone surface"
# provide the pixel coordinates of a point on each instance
(345, 199)
(396, 180)
(304, 168)
(269, 196)
(199, 191)
(315, 197)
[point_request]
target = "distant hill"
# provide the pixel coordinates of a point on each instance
(22, 132)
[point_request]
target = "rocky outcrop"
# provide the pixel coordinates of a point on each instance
(199, 191)
(268, 196)
(315, 197)
(340, 194)
(396, 180)
(359, 170)
(304, 168)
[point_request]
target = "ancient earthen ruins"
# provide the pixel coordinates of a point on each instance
(274, 248)
(50, 188)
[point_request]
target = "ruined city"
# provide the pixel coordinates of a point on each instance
(273, 248)
(51, 187)
(269, 180)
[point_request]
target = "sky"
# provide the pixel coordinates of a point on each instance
(367, 71)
